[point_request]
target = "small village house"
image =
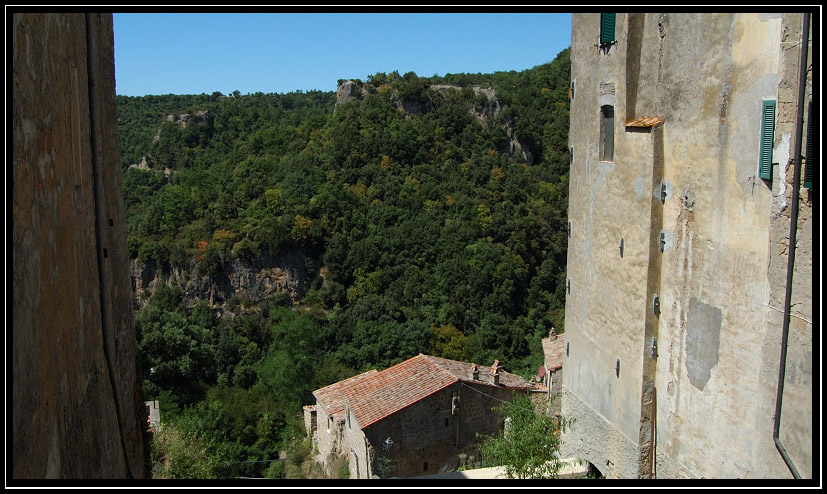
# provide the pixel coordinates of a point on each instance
(550, 374)
(414, 418)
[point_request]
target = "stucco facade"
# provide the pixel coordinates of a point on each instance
(677, 259)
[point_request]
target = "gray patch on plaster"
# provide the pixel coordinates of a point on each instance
(688, 199)
(703, 335)
(639, 187)
(781, 156)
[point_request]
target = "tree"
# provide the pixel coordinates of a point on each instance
(529, 444)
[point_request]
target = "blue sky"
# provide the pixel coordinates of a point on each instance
(198, 53)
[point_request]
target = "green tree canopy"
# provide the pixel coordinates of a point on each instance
(529, 444)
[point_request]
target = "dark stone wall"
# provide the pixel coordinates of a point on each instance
(435, 432)
(76, 407)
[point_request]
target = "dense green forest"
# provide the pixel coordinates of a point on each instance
(420, 231)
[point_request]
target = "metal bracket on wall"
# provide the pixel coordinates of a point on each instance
(656, 305)
(662, 241)
(663, 192)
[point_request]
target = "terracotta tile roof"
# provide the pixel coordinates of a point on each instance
(554, 351)
(382, 394)
(643, 122)
(331, 399)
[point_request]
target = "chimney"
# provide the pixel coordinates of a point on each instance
(475, 372)
(495, 373)
(552, 335)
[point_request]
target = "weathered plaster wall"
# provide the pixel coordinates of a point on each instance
(796, 429)
(608, 201)
(718, 344)
(77, 411)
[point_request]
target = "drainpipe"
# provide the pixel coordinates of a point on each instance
(785, 329)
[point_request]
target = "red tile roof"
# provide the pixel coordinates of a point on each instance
(554, 350)
(331, 399)
(384, 393)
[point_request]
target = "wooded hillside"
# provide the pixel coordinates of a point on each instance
(420, 226)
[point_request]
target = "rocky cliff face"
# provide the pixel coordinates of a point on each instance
(254, 280)
(201, 117)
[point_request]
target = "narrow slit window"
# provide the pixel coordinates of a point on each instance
(607, 132)
(767, 136)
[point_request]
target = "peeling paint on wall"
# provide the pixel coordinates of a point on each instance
(781, 157)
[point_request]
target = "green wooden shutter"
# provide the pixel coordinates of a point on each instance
(607, 28)
(767, 135)
(808, 171)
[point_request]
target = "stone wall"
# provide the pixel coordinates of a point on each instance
(429, 435)
(76, 407)
(328, 437)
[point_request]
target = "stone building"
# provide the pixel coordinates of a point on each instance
(550, 374)
(689, 296)
(153, 415)
(412, 419)
(325, 420)
(76, 410)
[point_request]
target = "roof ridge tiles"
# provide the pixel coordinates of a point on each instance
(377, 395)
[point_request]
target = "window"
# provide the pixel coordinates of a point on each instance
(607, 132)
(425, 467)
(810, 164)
(767, 136)
(607, 28)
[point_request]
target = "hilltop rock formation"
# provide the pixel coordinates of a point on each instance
(349, 90)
